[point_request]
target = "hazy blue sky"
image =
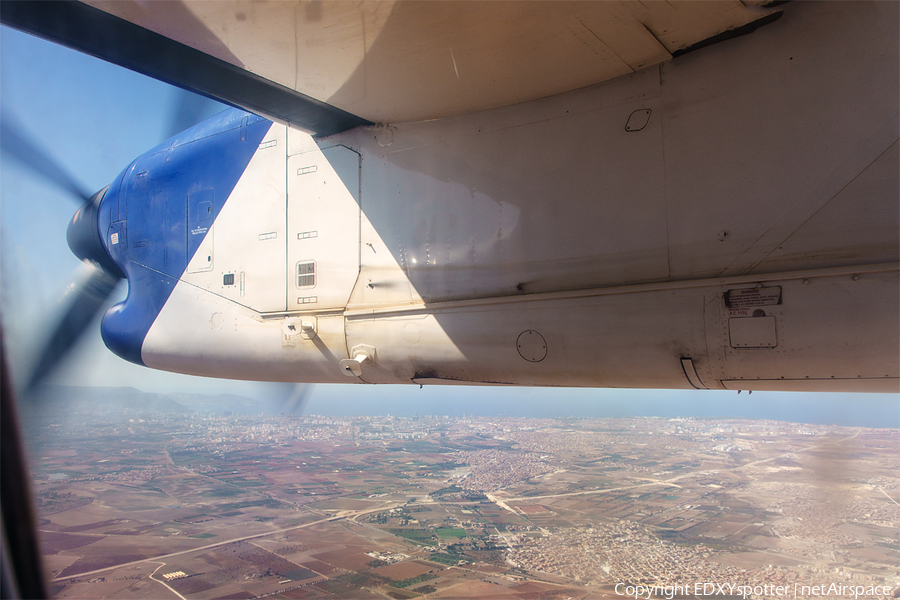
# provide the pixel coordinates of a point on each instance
(95, 118)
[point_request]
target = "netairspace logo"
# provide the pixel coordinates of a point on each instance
(833, 590)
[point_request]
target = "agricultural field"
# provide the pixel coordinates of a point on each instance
(203, 507)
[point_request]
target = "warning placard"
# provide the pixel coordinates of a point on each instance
(753, 297)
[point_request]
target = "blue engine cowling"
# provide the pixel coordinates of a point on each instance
(143, 219)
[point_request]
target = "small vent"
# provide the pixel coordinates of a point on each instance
(306, 274)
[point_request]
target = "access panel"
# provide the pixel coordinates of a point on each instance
(238, 241)
(323, 228)
(200, 215)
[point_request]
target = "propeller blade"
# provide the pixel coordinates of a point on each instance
(190, 109)
(287, 398)
(21, 146)
(295, 404)
(83, 300)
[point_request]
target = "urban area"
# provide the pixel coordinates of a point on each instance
(144, 500)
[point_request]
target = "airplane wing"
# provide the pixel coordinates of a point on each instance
(510, 221)
(332, 66)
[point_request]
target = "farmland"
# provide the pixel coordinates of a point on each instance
(209, 506)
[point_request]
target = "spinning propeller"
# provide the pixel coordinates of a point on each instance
(87, 293)
(91, 285)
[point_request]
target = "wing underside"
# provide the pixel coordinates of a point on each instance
(331, 66)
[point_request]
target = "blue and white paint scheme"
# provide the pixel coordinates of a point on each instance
(684, 226)
(156, 219)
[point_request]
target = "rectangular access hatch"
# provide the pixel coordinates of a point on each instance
(201, 214)
(752, 332)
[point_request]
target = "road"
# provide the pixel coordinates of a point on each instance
(671, 482)
(343, 515)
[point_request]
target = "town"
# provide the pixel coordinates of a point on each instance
(244, 506)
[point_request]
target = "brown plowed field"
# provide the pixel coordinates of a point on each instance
(85, 564)
(352, 558)
(53, 542)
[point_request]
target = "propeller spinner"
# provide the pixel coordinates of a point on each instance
(83, 236)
